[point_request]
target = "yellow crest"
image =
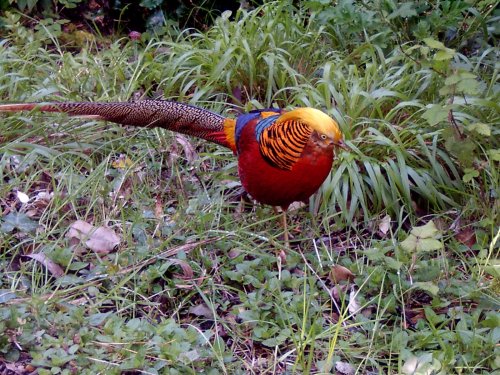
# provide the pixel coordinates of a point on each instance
(316, 119)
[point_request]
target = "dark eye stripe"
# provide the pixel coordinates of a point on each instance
(282, 144)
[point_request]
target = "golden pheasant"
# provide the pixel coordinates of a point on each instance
(282, 156)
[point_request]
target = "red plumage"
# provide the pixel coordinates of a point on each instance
(282, 156)
(278, 187)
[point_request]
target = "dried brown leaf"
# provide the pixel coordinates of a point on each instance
(188, 147)
(79, 229)
(338, 290)
(467, 236)
(345, 368)
(187, 271)
(384, 225)
(295, 206)
(54, 268)
(158, 207)
(339, 273)
(201, 310)
(353, 306)
(234, 253)
(101, 240)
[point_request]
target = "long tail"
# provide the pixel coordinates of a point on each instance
(178, 117)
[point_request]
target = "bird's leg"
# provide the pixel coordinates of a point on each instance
(281, 253)
(286, 235)
(285, 229)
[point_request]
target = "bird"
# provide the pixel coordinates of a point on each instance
(283, 155)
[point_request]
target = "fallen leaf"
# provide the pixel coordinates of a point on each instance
(338, 290)
(353, 306)
(54, 268)
(201, 310)
(189, 150)
(79, 229)
(467, 236)
(19, 221)
(339, 273)
(187, 271)
(23, 198)
(101, 240)
(345, 368)
(410, 365)
(44, 195)
(295, 206)
(234, 253)
(32, 213)
(41, 201)
(384, 225)
(158, 207)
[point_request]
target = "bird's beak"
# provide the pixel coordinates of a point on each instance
(342, 145)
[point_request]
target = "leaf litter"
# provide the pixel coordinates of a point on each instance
(101, 240)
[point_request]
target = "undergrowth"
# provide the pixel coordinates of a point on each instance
(392, 268)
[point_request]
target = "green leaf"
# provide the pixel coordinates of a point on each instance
(444, 55)
(428, 244)
(410, 243)
(405, 10)
(98, 318)
(18, 220)
(393, 263)
(428, 230)
(436, 114)
(427, 286)
(434, 43)
(400, 340)
(430, 314)
(6, 295)
(415, 244)
(189, 356)
(374, 254)
(468, 86)
(422, 239)
(480, 128)
(469, 174)
(278, 340)
(463, 149)
(494, 154)
(150, 4)
(453, 79)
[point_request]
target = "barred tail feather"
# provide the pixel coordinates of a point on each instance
(178, 117)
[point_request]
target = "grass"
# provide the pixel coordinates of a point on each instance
(196, 283)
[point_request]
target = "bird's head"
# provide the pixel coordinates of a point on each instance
(326, 127)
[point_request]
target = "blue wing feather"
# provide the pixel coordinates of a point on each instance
(244, 119)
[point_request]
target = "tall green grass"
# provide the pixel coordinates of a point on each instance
(398, 160)
(232, 306)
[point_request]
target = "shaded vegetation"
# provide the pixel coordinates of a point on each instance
(410, 216)
(116, 16)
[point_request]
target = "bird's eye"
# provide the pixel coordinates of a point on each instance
(323, 136)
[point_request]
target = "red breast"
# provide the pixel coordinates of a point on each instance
(279, 187)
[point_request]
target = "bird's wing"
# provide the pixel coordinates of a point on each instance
(281, 143)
